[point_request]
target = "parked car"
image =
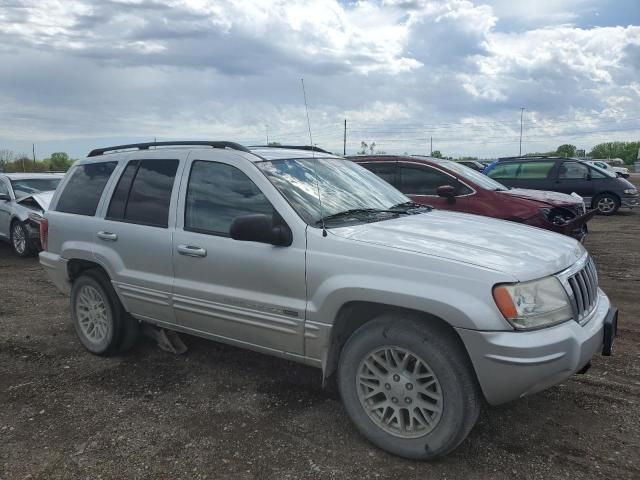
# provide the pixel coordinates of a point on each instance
(600, 189)
(418, 313)
(24, 197)
(472, 164)
(619, 171)
(451, 186)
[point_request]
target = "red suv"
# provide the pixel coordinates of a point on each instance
(449, 185)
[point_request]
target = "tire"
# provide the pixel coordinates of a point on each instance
(606, 204)
(445, 372)
(20, 243)
(101, 323)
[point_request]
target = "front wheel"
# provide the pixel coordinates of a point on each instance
(606, 204)
(20, 241)
(408, 388)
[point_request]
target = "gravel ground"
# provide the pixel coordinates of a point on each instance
(222, 412)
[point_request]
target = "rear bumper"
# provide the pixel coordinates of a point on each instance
(56, 268)
(510, 365)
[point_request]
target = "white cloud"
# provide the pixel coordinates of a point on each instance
(399, 70)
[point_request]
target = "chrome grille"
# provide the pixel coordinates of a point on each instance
(584, 290)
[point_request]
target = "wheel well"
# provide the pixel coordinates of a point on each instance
(613, 194)
(355, 314)
(76, 267)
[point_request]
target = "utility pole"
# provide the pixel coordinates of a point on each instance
(267, 127)
(344, 142)
(33, 146)
(431, 150)
(521, 114)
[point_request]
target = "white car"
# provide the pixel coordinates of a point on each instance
(24, 197)
(619, 171)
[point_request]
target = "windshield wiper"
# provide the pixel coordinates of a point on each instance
(357, 211)
(406, 206)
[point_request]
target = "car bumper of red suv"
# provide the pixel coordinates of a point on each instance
(576, 228)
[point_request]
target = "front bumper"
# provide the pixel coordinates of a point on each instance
(576, 228)
(512, 364)
(630, 202)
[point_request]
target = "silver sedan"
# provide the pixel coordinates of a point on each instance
(24, 197)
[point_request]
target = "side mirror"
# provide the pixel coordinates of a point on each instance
(260, 228)
(5, 197)
(448, 192)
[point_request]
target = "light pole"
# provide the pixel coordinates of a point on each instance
(521, 114)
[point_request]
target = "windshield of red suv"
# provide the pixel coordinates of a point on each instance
(343, 187)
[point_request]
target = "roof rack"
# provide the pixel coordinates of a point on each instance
(295, 147)
(527, 157)
(145, 146)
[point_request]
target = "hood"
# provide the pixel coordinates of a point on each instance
(42, 199)
(518, 250)
(554, 199)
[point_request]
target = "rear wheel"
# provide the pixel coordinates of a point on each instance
(20, 241)
(101, 322)
(606, 204)
(409, 389)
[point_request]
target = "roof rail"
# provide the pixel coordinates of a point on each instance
(145, 146)
(295, 147)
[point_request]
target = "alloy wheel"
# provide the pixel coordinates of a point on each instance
(19, 239)
(399, 392)
(606, 205)
(92, 313)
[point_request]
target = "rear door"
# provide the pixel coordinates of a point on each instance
(536, 175)
(574, 177)
(420, 182)
(248, 293)
(134, 235)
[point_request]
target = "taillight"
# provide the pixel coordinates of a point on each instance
(44, 233)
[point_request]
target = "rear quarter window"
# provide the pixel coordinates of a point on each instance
(535, 170)
(82, 192)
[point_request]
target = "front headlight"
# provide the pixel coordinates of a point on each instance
(535, 304)
(631, 191)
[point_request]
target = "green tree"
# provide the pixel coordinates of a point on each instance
(437, 154)
(627, 151)
(58, 161)
(566, 150)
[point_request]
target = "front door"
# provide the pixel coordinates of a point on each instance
(420, 182)
(248, 293)
(574, 177)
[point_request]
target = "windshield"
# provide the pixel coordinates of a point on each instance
(29, 186)
(476, 177)
(344, 186)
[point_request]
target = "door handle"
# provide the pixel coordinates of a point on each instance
(107, 236)
(192, 251)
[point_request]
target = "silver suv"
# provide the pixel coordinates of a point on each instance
(418, 314)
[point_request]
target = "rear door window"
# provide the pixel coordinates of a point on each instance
(505, 170)
(422, 180)
(143, 193)
(82, 192)
(535, 170)
(218, 193)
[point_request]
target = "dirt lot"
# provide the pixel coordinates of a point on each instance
(221, 412)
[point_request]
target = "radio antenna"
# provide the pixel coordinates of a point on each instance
(313, 156)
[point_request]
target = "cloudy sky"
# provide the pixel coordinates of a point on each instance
(79, 74)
